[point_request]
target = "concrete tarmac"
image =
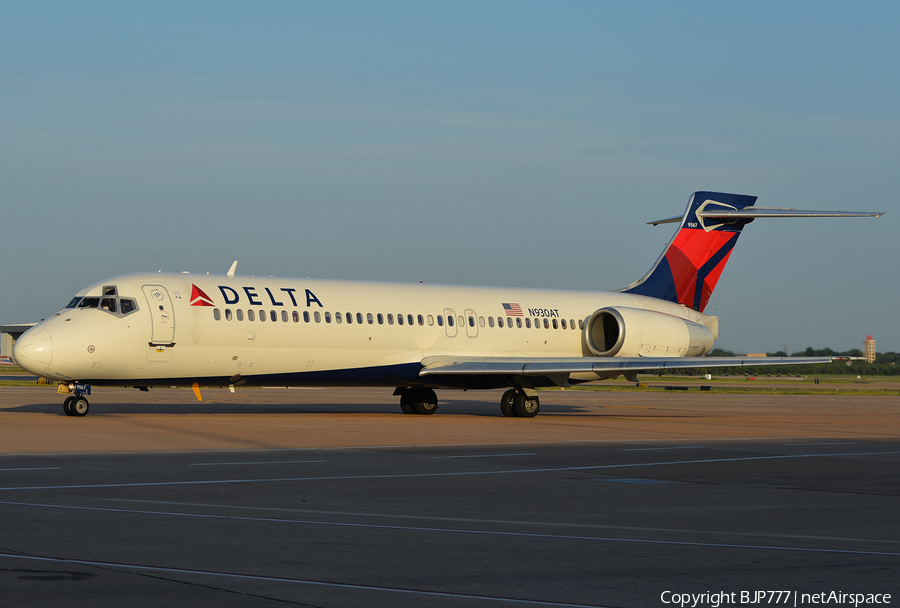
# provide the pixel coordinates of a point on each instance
(273, 497)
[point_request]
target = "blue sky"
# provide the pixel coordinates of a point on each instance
(506, 143)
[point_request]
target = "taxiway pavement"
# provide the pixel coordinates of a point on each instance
(334, 498)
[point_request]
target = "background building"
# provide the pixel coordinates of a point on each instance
(869, 349)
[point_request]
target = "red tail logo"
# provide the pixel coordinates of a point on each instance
(199, 298)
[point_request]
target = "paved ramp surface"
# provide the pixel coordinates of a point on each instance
(334, 498)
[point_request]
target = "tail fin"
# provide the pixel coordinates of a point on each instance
(689, 268)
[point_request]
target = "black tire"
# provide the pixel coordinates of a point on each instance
(506, 403)
(525, 406)
(67, 406)
(406, 403)
(79, 406)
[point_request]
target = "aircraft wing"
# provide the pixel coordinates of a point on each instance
(536, 366)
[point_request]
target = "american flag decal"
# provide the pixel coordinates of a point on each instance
(513, 310)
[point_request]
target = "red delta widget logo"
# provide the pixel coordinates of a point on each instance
(199, 297)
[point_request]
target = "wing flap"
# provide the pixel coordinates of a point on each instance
(536, 366)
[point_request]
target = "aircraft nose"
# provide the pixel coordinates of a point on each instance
(34, 351)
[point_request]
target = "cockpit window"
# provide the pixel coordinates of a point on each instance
(117, 306)
(109, 290)
(128, 305)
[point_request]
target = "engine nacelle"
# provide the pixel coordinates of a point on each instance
(632, 332)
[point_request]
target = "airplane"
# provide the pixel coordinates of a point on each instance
(181, 329)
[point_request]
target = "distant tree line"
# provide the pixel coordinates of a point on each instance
(885, 364)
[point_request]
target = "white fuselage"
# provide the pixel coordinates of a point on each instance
(195, 328)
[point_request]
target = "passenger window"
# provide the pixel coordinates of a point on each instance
(449, 321)
(295, 316)
(349, 318)
(284, 316)
(317, 317)
(359, 318)
(581, 324)
(440, 320)
(74, 302)
(380, 319)
(462, 322)
(273, 316)
(239, 314)
(128, 306)
(89, 303)
(337, 317)
(108, 304)
(306, 316)
(481, 321)
(528, 323)
(490, 321)
(519, 322)
(399, 319)
(471, 321)
(390, 319)
(546, 323)
(251, 316)
(555, 324)
(563, 321)
(410, 319)
(228, 314)
(328, 317)
(217, 314)
(370, 318)
(572, 323)
(262, 315)
(421, 320)
(109, 290)
(430, 320)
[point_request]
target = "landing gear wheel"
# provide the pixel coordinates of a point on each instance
(79, 406)
(406, 403)
(525, 406)
(506, 403)
(67, 406)
(425, 401)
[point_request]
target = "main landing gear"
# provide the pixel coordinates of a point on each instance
(76, 406)
(520, 404)
(417, 400)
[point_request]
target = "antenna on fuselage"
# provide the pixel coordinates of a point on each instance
(232, 269)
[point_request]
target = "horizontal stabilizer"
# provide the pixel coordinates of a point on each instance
(533, 366)
(755, 212)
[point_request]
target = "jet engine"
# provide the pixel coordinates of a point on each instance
(633, 332)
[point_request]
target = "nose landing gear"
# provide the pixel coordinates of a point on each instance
(76, 406)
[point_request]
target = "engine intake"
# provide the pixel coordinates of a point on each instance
(632, 332)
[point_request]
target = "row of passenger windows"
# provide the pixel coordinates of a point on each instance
(400, 319)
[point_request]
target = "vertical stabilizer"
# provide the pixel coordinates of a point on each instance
(689, 268)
